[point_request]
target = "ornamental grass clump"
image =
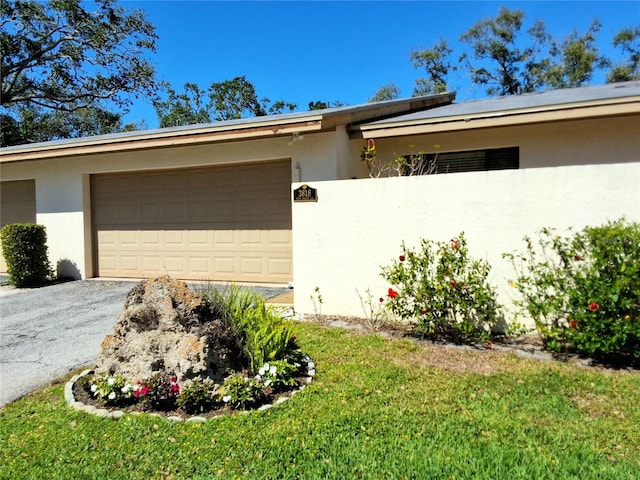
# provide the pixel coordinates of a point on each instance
(443, 291)
(583, 290)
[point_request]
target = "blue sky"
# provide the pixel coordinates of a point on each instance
(301, 51)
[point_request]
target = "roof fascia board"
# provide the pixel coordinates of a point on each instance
(309, 122)
(620, 106)
(168, 139)
(367, 113)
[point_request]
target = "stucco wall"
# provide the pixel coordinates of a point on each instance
(356, 226)
(63, 187)
(594, 141)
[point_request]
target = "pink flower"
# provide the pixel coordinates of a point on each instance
(401, 257)
(489, 345)
(140, 391)
(593, 306)
(392, 293)
(173, 385)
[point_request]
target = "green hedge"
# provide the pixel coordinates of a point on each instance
(24, 248)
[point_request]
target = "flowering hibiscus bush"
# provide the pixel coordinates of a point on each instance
(441, 288)
(583, 289)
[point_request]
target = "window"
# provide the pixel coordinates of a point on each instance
(470, 161)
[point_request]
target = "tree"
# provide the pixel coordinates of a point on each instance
(321, 105)
(437, 65)
(504, 67)
(62, 57)
(64, 67)
(390, 91)
(187, 108)
(235, 98)
(628, 40)
(226, 100)
(10, 133)
(277, 107)
(37, 125)
(577, 58)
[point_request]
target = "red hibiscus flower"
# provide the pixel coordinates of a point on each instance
(392, 293)
(401, 257)
(593, 306)
(381, 299)
(453, 283)
(573, 324)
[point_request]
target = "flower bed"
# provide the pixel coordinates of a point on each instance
(198, 400)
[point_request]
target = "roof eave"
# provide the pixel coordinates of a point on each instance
(552, 113)
(161, 139)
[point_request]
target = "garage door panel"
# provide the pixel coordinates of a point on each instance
(229, 223)
(17, 205)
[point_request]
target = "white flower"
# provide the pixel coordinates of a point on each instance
(112, 396)
(111, 380)
(267, 382)
(257, 377)
(226, 398)
(126, 388)
(264, 369)
(273, 370)
(94, 387)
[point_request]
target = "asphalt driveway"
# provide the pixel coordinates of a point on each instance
(46, 332)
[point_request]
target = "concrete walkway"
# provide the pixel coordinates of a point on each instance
(46, 332)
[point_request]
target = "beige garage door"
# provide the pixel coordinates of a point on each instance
(230, 223)
(17, 205)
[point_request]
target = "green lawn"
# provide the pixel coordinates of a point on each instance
(377, 408)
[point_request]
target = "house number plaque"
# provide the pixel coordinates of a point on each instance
(305, 193)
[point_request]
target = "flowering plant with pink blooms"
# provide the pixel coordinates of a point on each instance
(582, 289)
(443, 290)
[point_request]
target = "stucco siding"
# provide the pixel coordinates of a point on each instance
(594, 141)
(63, 187)
(341, 253)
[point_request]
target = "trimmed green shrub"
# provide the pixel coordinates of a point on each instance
(198, 396)
(24, 248)
(240, 391)
(583, 290)
(442, 290)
